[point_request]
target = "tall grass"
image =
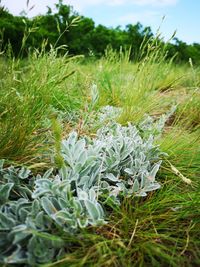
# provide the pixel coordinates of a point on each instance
(139, 87)
(30, 94)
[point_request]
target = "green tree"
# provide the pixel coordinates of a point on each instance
(135, 37)
(12, 30)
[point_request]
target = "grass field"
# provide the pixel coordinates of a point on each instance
(48, 215)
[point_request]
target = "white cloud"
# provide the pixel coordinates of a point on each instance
(145, 17)
(158, 3)
(154, 2)
(115, 2)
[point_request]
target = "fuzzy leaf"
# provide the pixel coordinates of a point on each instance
(5, 192)
(48, 206)
(92, 210)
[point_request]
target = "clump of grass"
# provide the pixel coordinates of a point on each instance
(188, 111)
(182, 146)
(30, 94)
(136, 87)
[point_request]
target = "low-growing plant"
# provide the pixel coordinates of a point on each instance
(97, 173)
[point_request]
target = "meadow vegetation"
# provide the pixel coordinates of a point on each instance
(81, 145)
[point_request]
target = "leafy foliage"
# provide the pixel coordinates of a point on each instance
(96, 173)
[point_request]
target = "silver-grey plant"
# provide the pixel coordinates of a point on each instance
(117, 163)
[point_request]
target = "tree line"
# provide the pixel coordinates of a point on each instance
(80, 35)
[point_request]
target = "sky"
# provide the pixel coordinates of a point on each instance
(180, 15)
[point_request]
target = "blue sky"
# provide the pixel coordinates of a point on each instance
(180, 15)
